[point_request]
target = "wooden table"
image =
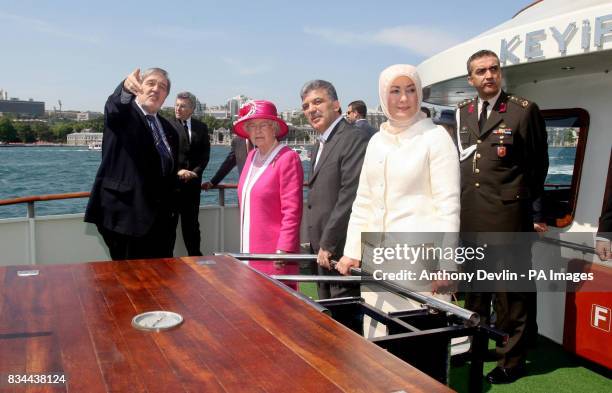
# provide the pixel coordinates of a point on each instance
(241, 333)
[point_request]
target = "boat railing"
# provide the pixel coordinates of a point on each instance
(31, 200)
(37, 240)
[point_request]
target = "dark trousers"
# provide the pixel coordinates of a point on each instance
(515, 315)
(157, 243)
(337, 290)
(334, 290)
(188, 200)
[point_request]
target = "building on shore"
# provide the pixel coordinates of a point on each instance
(234, 104)
(200, 108)
(289, 115)
(298, 135)
(84, 138)
(221, 136)
(376, 117)
(19, 107)
(218, 112)
(86, 116)
(562, 136)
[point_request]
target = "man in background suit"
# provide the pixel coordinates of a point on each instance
(235, 158)
(194, 152)
(131, 200)
(356, 115)
(334, 176)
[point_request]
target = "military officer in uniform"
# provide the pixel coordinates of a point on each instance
(503, 151)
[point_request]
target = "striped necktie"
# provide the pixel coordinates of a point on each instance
(161, 144)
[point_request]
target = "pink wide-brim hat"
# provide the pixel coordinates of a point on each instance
(258, 109)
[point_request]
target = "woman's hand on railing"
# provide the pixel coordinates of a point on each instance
(602, 249)
(540, 227)
(279, 264)
(345, 264)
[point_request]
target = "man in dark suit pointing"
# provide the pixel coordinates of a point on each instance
(131, 200)
(194, 152)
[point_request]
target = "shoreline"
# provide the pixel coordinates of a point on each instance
(67, 145)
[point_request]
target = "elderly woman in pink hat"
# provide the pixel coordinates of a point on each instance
(270, 188)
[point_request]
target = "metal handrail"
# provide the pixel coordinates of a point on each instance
(557, 185)
(30, 200)
(357, 275)
(46, 197)
(568, 244)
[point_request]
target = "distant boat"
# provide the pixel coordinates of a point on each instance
(302, 152)
(95, 146)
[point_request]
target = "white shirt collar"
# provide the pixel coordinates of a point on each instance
(323, 137)
(491, 102)
(144, 110)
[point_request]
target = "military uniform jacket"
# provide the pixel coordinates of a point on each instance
(502, 181)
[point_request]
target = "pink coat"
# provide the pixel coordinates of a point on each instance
(275, 208)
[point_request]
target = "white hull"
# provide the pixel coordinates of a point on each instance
(67, 238)
(535, 67)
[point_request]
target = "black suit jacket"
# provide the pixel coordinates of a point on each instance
(333, 186)
(605, 221)
(129, 190)
(364, 124)
(194, 154)
(236, 157)
(502, 182)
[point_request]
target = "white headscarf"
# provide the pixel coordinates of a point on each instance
(388, 75)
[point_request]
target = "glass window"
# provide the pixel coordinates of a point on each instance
(567, 133)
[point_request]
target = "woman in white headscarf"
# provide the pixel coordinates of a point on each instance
(410, 176)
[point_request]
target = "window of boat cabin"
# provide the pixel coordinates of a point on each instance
(567, 134)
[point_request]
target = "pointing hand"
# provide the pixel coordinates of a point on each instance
(133, 82)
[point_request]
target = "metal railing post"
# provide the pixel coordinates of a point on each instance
(31, 211)
(221, 196)
(31, 214)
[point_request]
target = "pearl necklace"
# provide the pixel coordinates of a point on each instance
(261, 158)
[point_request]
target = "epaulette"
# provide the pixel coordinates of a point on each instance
(519, 101)
(464, 102)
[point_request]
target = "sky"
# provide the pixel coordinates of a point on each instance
(78, 52)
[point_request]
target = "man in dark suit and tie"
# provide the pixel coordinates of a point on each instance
(235, 158)
(356, 115)
(132, 199)
(194, 152)
(334, 176)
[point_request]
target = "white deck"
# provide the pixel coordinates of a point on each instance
(66, 238)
